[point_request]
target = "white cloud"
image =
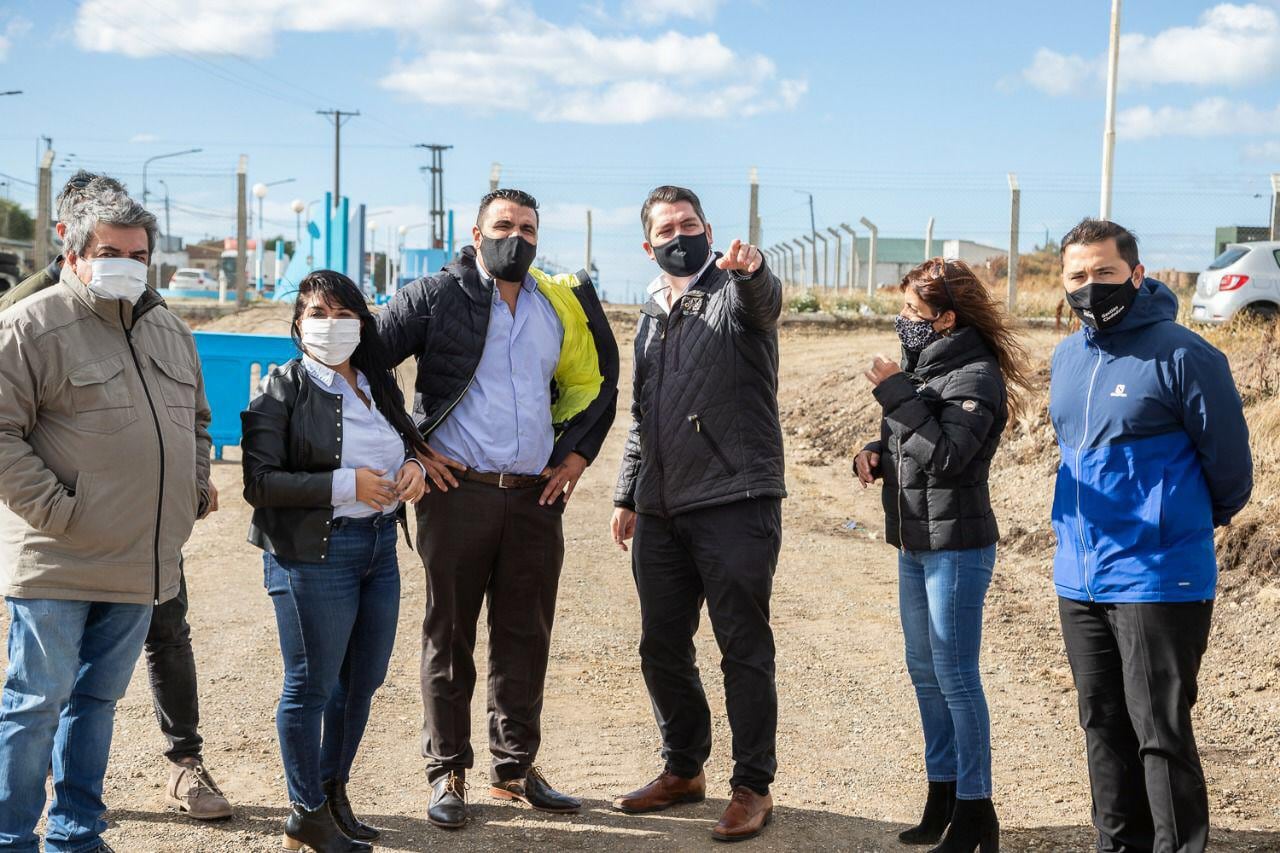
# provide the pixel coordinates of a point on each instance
(1205, 118)
(16, 28)
(487, 55)
(652, 12)
(1058, 74)
(572, 74)
(1264, 152)
(1230, 45)
(143, 138)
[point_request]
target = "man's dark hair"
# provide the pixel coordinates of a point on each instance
(519, 197)
(1097, 230)
(669, 195)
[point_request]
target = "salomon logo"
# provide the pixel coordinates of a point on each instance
(1119, 392)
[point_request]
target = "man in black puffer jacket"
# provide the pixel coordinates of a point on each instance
(701, 489)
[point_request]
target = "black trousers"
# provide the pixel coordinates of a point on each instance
(171, 666)
(1135, 668)
(479, 542)
(726, 556)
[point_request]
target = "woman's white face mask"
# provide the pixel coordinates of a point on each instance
(330, 342)
(117, 278)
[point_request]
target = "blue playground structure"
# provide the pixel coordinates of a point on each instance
(233, 365)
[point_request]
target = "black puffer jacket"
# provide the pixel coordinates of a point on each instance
(705, 427)
(291, 447)
(942, 422)
(442, 321)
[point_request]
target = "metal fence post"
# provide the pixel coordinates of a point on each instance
(871, 261)
(839, 250)
(1015, 203)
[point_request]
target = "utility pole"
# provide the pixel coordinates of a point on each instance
(753, 220)
(44, 208)
(813, 231)
(437, 191)
(242, 227)
(839, 251)
(1015, 211)
(167, 232)
(1275, 205)
(495, 175)
(871, 253)
(588, 265)
(1109, 126)
(338, 117)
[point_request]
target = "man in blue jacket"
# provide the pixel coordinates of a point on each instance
(1155, 455)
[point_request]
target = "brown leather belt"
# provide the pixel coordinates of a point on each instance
(503, 481)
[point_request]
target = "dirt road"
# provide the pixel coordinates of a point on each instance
(850, 751)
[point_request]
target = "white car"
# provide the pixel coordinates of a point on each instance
(1245, 277)
(190, 278)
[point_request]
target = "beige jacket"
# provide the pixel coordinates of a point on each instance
(104, 446)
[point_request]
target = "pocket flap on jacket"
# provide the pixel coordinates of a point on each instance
(95, 372)
(176, 372)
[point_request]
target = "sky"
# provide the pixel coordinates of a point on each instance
(896, 112)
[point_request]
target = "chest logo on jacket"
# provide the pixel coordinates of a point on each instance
(1119, 392)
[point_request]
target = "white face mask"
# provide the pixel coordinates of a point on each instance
(330, 342)
(118, 278)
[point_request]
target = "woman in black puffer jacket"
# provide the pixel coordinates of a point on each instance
(945, 408)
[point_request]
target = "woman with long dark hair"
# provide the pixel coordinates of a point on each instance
(945, 408)
(329, 462)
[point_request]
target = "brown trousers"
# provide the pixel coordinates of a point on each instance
(481, 543)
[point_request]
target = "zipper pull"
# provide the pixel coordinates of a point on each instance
(697, 423)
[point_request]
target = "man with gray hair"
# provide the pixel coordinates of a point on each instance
(104, 468)
(171, 663)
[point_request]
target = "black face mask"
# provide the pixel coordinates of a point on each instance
(507, 258)
(916, 334)
(1101, 305)
(683, 255)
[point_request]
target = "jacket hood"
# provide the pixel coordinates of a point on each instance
(1155, 303)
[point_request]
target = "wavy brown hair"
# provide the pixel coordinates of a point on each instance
(950, 285)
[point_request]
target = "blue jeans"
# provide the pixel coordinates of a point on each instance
(69, 662)
(337, 624)
(940, 596)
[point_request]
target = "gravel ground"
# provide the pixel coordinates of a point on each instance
(850, 752)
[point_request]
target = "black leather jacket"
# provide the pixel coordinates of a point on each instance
(290, 449)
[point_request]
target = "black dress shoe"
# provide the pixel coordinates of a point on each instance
(317, 831)
(340, 807)
(448, 802)
(938, 807)
(534, 790)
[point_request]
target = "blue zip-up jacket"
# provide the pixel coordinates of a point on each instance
(1155, 455)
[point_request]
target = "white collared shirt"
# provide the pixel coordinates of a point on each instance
(660, 287)
(368, 439)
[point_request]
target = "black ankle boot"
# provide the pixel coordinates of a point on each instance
(340, 808)
(318, 831)
(973, 827)
(938, 807)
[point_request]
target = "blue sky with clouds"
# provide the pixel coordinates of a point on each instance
(897, 112)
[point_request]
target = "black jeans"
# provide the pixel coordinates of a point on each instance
(172, 668)
(726, 556)
(1135, 669)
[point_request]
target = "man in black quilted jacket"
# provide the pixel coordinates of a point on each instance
(701, 491)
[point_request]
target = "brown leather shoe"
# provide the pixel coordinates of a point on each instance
(193, 791)
(746, 817)
(665, 791)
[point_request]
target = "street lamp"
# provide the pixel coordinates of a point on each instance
(813, 231)
(150, 160)
(166, 212)
(298, 206)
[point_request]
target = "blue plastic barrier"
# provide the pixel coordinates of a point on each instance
(227, 361)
